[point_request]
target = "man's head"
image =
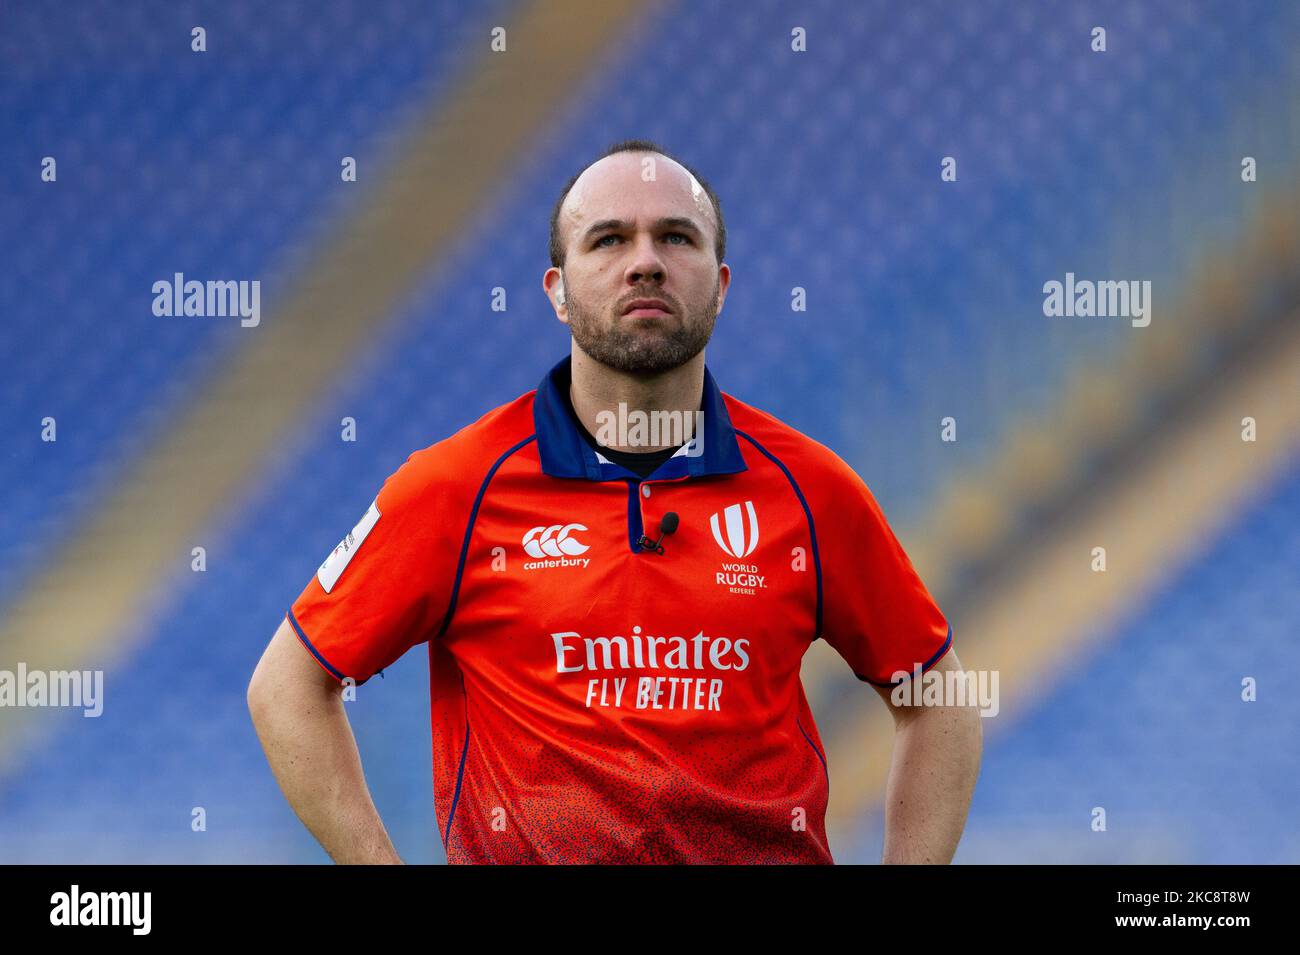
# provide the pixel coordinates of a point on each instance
(638, 224)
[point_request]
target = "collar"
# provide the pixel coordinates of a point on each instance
(565, 454)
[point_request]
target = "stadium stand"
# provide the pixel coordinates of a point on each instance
(922, 303)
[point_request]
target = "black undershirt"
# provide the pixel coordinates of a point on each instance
(640, 463)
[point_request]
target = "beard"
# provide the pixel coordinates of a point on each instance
(643, 346)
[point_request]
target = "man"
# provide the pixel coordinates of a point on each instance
(615, 613)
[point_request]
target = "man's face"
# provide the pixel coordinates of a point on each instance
(639, 226)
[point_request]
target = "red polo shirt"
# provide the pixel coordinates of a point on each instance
(594, 700)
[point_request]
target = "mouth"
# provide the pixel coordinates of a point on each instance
(646, 308)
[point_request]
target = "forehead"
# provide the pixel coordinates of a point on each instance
(635, 185)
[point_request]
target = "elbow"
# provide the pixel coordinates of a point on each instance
(253, 698)
(257, 695)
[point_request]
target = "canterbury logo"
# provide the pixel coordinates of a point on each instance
(554, 541)
(736, 543)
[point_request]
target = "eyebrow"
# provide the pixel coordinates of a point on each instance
(667, 222)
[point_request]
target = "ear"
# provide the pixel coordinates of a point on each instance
(553, 286)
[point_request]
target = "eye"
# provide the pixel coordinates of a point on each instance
(680, 235)
(600, 242)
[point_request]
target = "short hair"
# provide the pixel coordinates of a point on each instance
(636, 146)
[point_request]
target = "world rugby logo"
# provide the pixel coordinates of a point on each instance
(554, 541)
(737, 541)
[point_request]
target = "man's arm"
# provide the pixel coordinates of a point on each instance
(297, 709)
(932, 776)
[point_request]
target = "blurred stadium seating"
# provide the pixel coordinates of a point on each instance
(923, 302)
(1149, 723)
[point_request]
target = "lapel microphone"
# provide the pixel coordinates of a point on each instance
(667, 525)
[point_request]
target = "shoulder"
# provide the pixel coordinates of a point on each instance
(813, 466)
(840, 505)
(455, 467)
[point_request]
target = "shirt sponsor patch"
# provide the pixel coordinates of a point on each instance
(332, 569)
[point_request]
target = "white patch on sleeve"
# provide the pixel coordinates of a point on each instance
(332, 569)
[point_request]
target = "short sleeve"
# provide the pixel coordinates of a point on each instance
(387, 585)
(877, 613)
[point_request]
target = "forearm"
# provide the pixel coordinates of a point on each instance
(931, 778)
(314, 757)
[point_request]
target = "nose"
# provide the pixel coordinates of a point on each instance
(646, 265)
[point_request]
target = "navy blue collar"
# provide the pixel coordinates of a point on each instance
(565, 454)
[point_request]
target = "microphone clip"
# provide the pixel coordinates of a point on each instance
(666, 526)
(653, 546)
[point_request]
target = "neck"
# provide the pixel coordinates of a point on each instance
(597, 391)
